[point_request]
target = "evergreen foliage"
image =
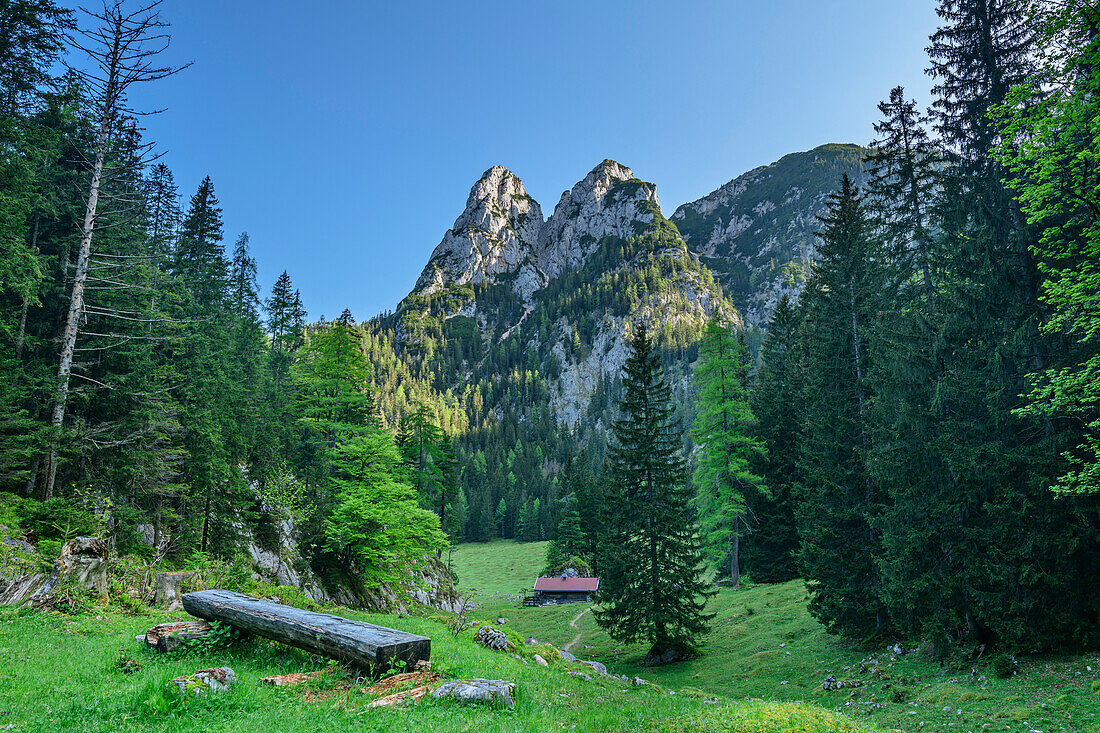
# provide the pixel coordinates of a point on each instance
(771, 547)
(650, 555)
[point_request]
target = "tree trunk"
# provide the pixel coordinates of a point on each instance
(735, 560)
(361, 644)
(76, 301)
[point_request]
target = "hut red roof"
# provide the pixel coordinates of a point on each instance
(568, 585)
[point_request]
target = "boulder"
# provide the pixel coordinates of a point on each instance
(20, 544)
(596, 666)
(665, 655)
(479, 691)
(491, 638)
(567, 656)
(540, 661)
(170, 587)
(500, 621)
(216, 679)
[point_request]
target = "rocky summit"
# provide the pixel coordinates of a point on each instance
(566, 289)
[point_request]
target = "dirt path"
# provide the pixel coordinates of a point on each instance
(573, 624)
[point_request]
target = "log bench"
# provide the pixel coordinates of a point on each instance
(355, 642)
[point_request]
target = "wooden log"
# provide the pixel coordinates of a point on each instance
(355, 642)
(168, 637)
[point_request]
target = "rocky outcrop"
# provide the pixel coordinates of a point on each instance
(495, 235)
(491, 638)
(757, 233)
(608, 202)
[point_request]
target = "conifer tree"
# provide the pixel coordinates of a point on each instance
(200, 268)
(723, 474)
(837, 496)
(650, 556)
(568, 540)
(771, 548)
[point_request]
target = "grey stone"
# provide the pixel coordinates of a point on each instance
(531, 641)
(216, 679)
(491, 638)
(596, 666)
(500, 621)
(567, 656)
(480, 691)
(540, 661)
(20, 544)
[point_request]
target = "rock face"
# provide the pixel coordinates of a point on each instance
(500, 237)
(608, 202)
(495, 235)
(479, 691)
(757, 232)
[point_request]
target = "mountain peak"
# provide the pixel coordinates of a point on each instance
(608, 202)
(494, 234)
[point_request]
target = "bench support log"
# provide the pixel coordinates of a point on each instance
(354, 642)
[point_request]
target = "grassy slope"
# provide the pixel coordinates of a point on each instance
(61, 674)
(763, 636)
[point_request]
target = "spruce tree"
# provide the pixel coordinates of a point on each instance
(771, 548)
(723, 429)
(650, 556)
(837, 498)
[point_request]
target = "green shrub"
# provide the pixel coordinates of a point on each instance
(1004, 666)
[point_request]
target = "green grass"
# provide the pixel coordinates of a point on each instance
(62, 673)
(763, 637)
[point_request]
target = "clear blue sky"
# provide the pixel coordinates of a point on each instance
(345, 136)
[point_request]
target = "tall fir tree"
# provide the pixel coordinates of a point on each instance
(837, 496)
(771, 548)
(650, 556)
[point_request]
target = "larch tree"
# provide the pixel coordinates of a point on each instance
(728, 448)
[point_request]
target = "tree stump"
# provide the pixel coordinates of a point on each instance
(170, 587)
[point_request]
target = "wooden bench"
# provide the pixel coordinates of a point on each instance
(355, 642)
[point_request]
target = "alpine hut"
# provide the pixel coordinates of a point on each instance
(563, 589)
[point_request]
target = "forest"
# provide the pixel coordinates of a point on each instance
(917, 435)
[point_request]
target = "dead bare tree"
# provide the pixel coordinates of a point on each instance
(122, 49)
